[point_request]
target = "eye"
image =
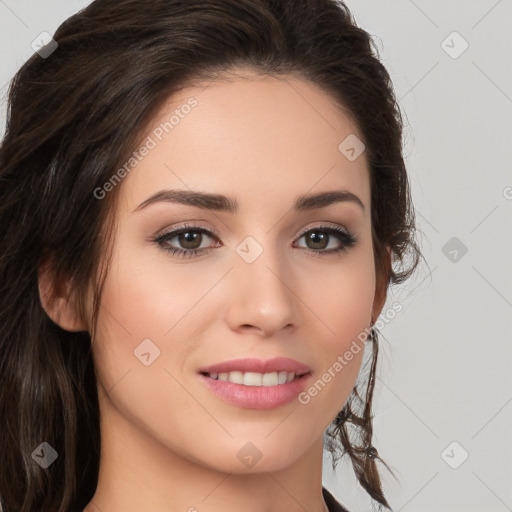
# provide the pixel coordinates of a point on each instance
(320, 237)
(192, 237)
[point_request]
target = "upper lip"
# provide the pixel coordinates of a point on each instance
(278, 364)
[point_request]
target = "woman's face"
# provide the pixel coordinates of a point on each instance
(265, 281)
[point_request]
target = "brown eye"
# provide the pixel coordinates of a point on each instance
(188, 239)
(318, 239)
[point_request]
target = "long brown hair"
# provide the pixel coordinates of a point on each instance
(75, 114)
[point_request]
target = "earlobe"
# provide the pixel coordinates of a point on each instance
(57, 302)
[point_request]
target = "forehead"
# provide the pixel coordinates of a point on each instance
(256, 138)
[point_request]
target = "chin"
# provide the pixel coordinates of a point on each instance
(247, 457)
(263, 465)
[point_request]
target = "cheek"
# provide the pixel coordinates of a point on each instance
(340, 297)
(139, 331)
(132, 312)
(343, 306)
(147, 297)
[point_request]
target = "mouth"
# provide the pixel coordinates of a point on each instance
(253, 390)
(254, 379)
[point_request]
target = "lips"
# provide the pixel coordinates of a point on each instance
(256, 397)
(278, 364)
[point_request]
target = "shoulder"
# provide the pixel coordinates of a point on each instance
(332, 504)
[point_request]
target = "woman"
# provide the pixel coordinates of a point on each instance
(200, 204)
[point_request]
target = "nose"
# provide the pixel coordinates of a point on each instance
(261, 294)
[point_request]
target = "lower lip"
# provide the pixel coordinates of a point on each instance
(257, 397)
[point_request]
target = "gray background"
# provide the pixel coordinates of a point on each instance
(444, 372)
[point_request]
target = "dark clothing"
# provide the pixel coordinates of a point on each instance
(334, 506)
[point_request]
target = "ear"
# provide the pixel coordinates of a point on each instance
(58, 301)
(381, 288)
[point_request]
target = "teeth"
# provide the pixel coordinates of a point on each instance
(251, 379)
(236, 377)
(254, 379)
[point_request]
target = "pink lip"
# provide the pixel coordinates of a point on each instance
(257, 397)
(278, 364)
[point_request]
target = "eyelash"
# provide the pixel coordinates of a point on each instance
(347, 239)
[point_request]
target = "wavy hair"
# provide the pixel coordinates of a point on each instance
(73, 117)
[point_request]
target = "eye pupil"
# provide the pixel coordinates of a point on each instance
(187, 237)
(321, 238)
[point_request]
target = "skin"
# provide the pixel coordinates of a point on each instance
(168, 443)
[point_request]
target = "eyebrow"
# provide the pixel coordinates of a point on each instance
(220, 202)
